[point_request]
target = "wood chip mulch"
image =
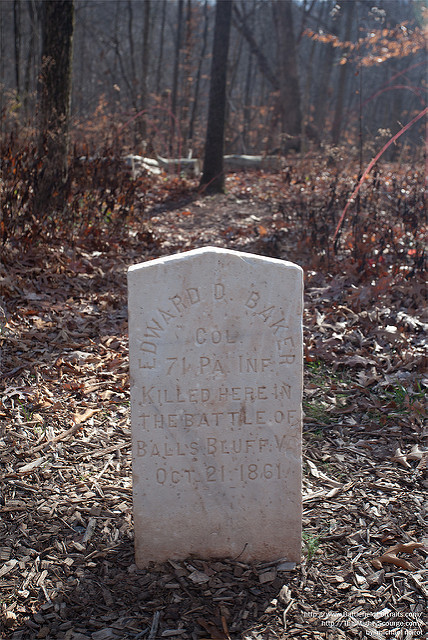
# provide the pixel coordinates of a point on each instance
(67, 569)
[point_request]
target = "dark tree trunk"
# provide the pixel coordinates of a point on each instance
(284, 80)
(246, 127)
(161, 46)
(174, 96)
(145, 72)
(213, 174)
(198, 76)
(307, 122)
(131, 46)
(326, 53)
(338, 112)
(264, 66)
(289, 93)
(130, 80)
(31, 56)
(17, 29)
(188, 76)
(54, 105)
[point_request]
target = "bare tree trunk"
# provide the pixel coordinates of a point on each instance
(306, 115)
(213, 174)
(175, 76)
(240, 24)
(161, 44)
(130, 80)
(131, 44)
(187, 70)
(338, 112)
(145, 71)
(246, 128)
(50, 189)
(17, 34)
(285, 80)
(198, 76)
(325, 68)
(289, 94)
(31, 55)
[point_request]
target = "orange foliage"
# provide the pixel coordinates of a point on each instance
(378, 46)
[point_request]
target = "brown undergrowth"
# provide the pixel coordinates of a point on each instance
(66, 536)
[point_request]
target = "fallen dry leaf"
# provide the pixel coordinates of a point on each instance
(405, 547)
(31, 465)
(391, 558)
(401, 458)
(361, 398)
(415, 453)
(390, 555)
(78, 418)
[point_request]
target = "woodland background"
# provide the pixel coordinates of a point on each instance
(141, 73)
(323, 87)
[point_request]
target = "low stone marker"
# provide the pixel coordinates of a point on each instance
(215, 340)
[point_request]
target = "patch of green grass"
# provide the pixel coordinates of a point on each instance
(405, 400)
(312, 543)
(323, 374)
(27, 413)
(318, 411)
(374, 416)
(406, 397)
(317, 434)
(40, 428)
(327, 389)
(318, 372)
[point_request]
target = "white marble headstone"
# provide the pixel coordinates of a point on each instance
(215, 341)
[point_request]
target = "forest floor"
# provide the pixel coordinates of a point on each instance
(67, 569)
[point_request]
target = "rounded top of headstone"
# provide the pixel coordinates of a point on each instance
(218, 252)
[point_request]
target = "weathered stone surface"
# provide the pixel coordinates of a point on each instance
(216, 384)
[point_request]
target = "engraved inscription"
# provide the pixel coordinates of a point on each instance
(253, 365)
(182, 303)
(211, 446)
(242, 418)
(241, 364)
(202, 395)
(245, 406)
(215, 337)
(233, 476)
(215, 353)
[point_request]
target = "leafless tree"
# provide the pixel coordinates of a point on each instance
(213, 174)
(50, 188)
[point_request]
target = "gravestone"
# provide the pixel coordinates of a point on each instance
(215, 340)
